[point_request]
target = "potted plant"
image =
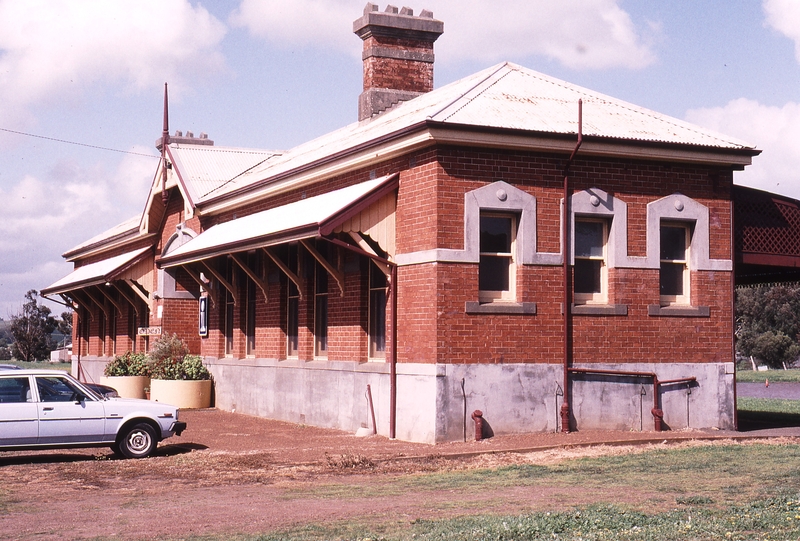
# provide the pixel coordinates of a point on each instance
(177, 377)
(129, 374)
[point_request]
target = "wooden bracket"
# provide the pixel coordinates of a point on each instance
(260, 282)
(333, 271)
(127, 297)
(100, 305)
(203, 285)
(221, 279)
(111, 299)
(289, 274)
(364, 245)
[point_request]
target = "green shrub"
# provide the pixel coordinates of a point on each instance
(193, 368)
(169, 358)
(128, 364)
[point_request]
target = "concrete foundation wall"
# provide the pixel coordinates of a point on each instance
(431, 402)
(91, 368)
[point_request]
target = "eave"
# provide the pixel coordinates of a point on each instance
(428, 133)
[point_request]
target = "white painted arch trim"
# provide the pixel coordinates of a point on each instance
(497, 196)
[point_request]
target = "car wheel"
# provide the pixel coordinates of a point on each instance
(115, 449)
(137, 441)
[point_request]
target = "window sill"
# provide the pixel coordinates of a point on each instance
(524, 308)
(678, 311)
(599, 309)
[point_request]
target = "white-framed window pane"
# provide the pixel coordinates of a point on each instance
(494, 273)
(589, 239)
(588, 274)
(589, 270)
(672, 278)
(292, 305)
(674, 264)
(377, 312)
(496, 234)
(497, 269)
(673, 242)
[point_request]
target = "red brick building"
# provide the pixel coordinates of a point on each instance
(410, 267)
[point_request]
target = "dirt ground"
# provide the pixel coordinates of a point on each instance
(235, 474)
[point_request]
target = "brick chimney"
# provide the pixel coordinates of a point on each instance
(398, 56)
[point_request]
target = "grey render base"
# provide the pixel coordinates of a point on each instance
(514, 398)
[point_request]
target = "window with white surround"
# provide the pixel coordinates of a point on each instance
(497, 267)
(590, 279)
(675, 240)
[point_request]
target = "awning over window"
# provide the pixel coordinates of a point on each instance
(308, 218)
(98, 273)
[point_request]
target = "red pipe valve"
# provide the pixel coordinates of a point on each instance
(477, 416)
(658, 418)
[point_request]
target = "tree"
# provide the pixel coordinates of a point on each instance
(31, 330)
(65, 323)
(768, 323)
(63, 333)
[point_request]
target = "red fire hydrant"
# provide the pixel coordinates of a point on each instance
(477, 416)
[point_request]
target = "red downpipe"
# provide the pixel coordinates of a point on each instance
(393, 360)
(733, 324)
(565, 409)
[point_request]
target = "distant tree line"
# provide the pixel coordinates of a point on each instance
(768, 324)
(33, 333)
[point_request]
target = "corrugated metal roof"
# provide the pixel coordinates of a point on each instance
(300, 219)
(130, 225)
(204, 169)
(504, 96)
(94, 273)
(518, 98)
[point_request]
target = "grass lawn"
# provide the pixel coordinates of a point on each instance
(66, 367)
(722, 491)
(751, 376)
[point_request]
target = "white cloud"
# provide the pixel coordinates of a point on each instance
(75, 203)
(784, 16)
(590, 34)
(774, 130)
(43, 217)
(55, 48)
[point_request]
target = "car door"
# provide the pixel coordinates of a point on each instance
(19, 416)
(66, 413)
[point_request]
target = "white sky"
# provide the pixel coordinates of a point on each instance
(273, 74)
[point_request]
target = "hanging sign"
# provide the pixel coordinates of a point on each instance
(203, 317)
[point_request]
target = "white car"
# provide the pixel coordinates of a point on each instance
(49, 409)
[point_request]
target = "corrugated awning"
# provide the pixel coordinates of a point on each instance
(97, 273)
(304, 219)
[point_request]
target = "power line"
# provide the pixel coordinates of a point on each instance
(79, 144)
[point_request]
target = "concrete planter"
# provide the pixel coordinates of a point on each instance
(127, 386)
(186, 394)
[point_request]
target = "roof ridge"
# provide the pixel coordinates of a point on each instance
(493, 73)
(632, 107)
(237, 176)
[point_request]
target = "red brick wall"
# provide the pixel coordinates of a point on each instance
(637, 337)
(406, 75)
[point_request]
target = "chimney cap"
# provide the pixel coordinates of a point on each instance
(186, 138)
(392, 22)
